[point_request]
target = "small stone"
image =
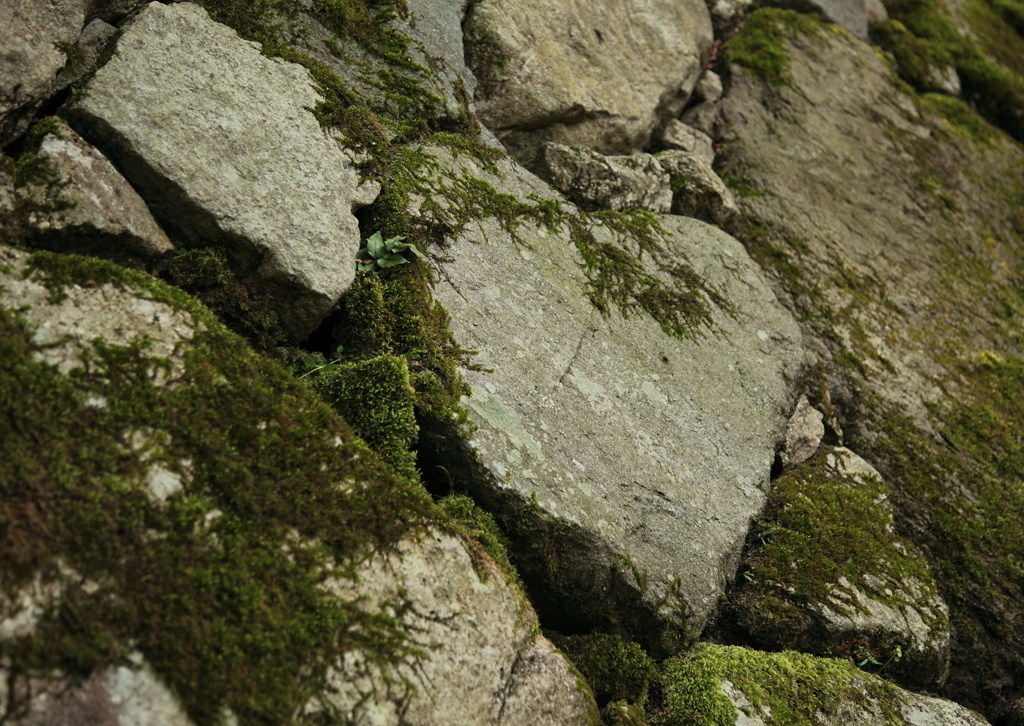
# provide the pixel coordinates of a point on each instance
(697, 191)
(803, 433)
(680, 137)
(597, 182)
(709, 87)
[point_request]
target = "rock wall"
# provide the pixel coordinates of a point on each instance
(319, 407)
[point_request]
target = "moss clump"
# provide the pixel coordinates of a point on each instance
(375, 397)
(482, 534)
(963, 120)
(760, 46)
(243, 304)
(995, 88)
(616, 669)
(221, 586)
(788, 689)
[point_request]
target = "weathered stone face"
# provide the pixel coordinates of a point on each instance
(568, 72)
(221, 142)
(633, 461)
(31, 56)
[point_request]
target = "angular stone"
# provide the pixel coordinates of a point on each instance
(222, 144)
(804, 431)
(632, 460)
(678, 136)
(94, 210)
(36, 35)
(704, 117)
(596, 182)
(876, 12)
(473, 625)
(709, 87)
(90, 44)
(697, 191)
(868, 596)
(568, 72)
(943, 79)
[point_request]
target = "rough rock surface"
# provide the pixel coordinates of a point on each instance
(697, 191)
(471, 624)
(680, 137)
(716, 683)
(567, 72)
(709, 88)
(849, 14)
(901, 266)
(31, 56)
(827, 574)
(88, 207)
(804, 431)
(594, 181)
(634, 459)
(90, 44)
(107, 338)
(267, 183)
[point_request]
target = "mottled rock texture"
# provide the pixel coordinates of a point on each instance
(629, 461)
(594, 181)
(222, 143)
(567, 71)
(33, 49)
(86, 206)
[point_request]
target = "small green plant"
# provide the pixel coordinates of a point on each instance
(380, 253)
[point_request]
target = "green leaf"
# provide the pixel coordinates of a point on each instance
(391, 261)
(393, 242)
(340, 349)
(309, 362)
(329, 368)
(364, 254)
(375, 246)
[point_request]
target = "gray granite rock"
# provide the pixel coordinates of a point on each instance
(33, 48)
(89, 208)
(632, 461)
(697, 191)
(709, 87)
(678, 136)
(594, 181)
(849, 14)
(222, 144)
(567, 72)
(804, 431)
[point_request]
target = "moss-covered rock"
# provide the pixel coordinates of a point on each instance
(731, 686)
(172, 499)
(825, 573)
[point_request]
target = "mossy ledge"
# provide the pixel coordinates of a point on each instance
(198, 583)
(760, 45)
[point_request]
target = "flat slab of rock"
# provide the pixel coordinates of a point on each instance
(221, 143)
(94, 210)
(31, 56)
(568, 71)
(630, 461)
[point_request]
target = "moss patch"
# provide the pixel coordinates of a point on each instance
(784, 688)
(221, 586)
(616, 669)
(760, 45)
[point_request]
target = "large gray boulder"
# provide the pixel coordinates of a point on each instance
(628, 463)
(33, 49)
(86, 206)
(217, 545)
(222, 144)
(599, 74)
(851, 15)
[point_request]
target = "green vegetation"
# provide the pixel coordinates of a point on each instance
(760, 46)
(922, 33)
(785, 689)
(963, 120)
(222, 585)
(972, 487)
(379, 254)
(616, 669)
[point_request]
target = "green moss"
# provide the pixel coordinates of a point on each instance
(787, 689)
(483, 534)
(221, 587)
(997, 91)
(616, 669)
(375, 397)
(972, 488)
(760, 45)
(962, 119)
(916, 59)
